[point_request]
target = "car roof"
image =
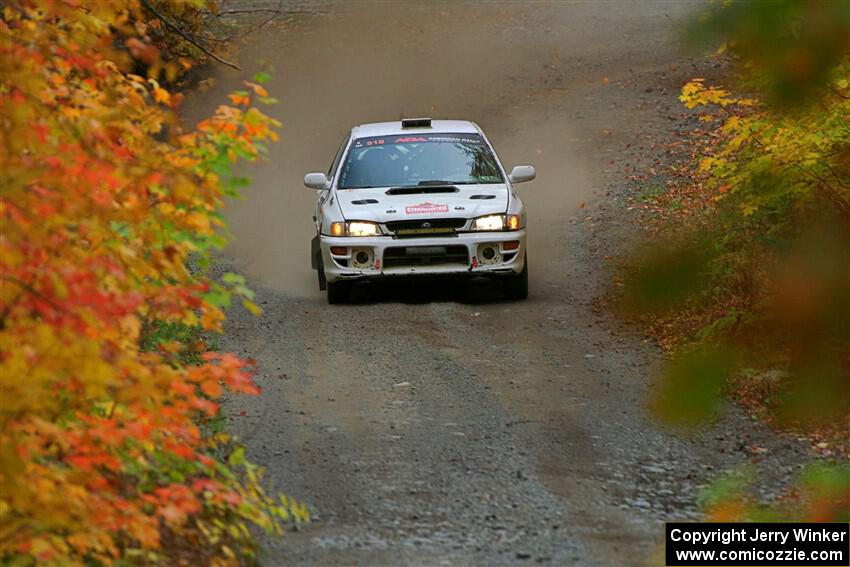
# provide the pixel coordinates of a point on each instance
(437, 127)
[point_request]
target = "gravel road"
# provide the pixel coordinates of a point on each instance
(433, 423)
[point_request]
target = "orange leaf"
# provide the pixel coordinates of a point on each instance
(212, 388)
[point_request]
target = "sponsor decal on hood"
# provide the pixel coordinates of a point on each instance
(425, 209)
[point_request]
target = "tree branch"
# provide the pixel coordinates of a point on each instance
(252, 11)
(182, 34)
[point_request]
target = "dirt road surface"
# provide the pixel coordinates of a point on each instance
(434, 423)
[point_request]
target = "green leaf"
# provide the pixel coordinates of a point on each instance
(689, 393)
(237, 457)
(233, 278)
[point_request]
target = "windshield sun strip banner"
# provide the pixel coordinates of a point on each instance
(449, 138)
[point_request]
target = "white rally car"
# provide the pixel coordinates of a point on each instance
(418, 197)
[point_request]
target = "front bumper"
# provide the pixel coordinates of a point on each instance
(461, 254)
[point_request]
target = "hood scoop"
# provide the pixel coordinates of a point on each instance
(484, 197)
(422, 189)
(365, 202)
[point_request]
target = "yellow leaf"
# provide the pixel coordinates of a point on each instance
(161, 95)
(252, 307)
(748, 209)
(131, 326)
(211, 319)
(732, 124)
(707, 163)
(199, 221)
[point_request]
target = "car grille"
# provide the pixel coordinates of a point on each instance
(425, 227)
(412, 256)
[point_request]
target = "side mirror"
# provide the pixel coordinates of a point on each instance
(317, 181)
(522, 173)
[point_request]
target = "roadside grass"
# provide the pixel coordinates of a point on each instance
(190, 340)
(650, 192)
(188, 343)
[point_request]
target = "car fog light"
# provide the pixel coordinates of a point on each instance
(510, 245)
(488, 254)
(361, 258)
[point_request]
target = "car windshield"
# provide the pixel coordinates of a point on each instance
(410, 160)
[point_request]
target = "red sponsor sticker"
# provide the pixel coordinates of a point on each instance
(426, 208)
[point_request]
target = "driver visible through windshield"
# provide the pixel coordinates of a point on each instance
(409, 160)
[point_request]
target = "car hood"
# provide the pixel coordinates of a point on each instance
(386, 204)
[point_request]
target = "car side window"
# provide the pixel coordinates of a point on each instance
(335, 165)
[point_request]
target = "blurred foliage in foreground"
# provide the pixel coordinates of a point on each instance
(766, 270)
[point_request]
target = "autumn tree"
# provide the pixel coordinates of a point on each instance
(103, 202)
(760, 290)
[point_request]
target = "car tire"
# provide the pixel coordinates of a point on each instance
(516, 287)
(320, 271)
(338, 292)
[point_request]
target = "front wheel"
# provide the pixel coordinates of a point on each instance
(320, 271)
(338, 292)
(516, 287)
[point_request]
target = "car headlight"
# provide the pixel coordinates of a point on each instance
(361, 228)
(491, 222)
(355, 228)
(497, 222)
